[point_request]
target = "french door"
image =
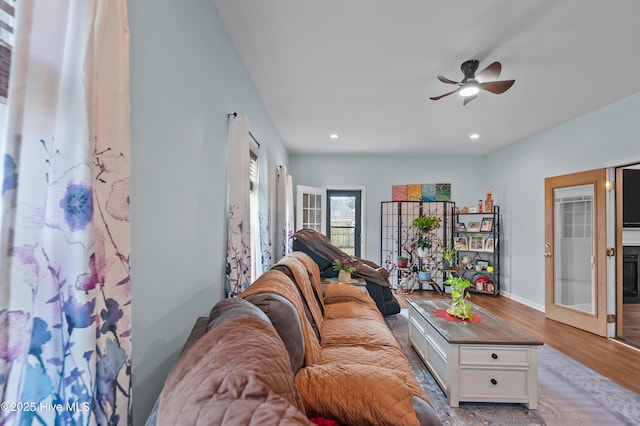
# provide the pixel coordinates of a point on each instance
(310, 208)
(575, 250)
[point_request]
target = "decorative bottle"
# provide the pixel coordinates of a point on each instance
(488, 203)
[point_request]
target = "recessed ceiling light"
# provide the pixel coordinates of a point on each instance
(334, 136)
(474, 136)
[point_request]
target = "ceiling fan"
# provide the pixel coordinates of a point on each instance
(472, 83)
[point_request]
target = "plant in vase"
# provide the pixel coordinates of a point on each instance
(426, 223)
(459, 306)
(422, 245)
(403, 262)
(345, 267)
(447, 257)
(424, 274)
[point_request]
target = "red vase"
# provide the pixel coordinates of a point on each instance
(403, 262)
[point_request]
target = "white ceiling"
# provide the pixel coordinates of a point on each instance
(365, 69)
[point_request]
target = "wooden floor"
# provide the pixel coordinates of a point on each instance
(631, 322)
(615, 360)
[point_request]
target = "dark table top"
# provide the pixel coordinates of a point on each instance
(485, 329)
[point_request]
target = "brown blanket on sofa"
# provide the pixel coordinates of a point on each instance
(321, 245)
(227, 378)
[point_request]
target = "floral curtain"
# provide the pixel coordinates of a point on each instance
(263, 242)
(284, 213)
(65, 306)
(238, 274)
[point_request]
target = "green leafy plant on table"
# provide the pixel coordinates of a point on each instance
(344, 264)
(459, 306)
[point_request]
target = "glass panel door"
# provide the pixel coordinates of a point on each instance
(343, 218)
(575, 250)
(310, 208)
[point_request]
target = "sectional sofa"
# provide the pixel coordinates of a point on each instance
(287, 352)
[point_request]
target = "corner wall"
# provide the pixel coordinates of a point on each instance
(186, 76)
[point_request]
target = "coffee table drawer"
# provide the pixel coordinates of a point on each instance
(499, 384)
(495, 355)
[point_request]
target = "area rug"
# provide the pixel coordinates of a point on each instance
(568, 393)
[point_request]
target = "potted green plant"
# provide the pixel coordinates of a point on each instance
(422, 244)
(345, 267)
(426, 223)
(424, 274)
(447, 257)
(459, 306)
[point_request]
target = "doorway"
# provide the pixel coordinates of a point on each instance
(628, 267)
(344, 220)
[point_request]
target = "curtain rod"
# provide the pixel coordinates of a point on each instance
(234, 115)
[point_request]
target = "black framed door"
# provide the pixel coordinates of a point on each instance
(344, 220)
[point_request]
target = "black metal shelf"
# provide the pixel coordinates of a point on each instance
(493, 257)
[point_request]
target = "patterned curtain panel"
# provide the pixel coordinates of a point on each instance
(238, 233)
(284, 213)
(265, 245)
(65, 306)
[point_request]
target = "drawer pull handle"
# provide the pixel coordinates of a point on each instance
(494, 356)
(494, 382)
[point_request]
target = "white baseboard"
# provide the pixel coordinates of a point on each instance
(526, 302)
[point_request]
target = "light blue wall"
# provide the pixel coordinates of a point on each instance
(466, 174)
(608, 135)
(185, 77)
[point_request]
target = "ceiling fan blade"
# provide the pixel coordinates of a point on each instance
(491, 72)
(497, 87)
(435, 98)
(446, 80)
(469, 99)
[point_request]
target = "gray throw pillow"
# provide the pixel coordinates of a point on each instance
(285, 320)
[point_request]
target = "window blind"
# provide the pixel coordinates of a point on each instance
(7, 13)
(253, 171)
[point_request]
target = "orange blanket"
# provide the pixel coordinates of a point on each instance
(356, 394)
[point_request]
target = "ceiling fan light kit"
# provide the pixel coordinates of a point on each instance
(471, 85)
(469, 89)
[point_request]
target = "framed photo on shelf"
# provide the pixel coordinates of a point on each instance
(488, 245)
(460, 227)
(473, 227)
(482, 264)
(460, 243)
(487, 224)
(476, 243)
